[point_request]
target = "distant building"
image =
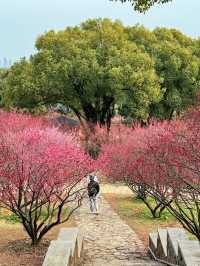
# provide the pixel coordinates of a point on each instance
(5, 62)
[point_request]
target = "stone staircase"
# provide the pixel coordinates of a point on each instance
(66, 250)
(172, 247)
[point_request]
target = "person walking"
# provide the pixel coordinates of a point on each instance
(93, 190)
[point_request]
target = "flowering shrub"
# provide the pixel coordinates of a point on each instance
(123, 160)
(161, 161)
(40, 173)
(174, 165)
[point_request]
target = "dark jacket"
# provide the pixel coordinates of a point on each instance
(93, 188)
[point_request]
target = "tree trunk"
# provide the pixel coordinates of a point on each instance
(35, 241)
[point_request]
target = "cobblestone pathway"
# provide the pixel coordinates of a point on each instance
(109, 241)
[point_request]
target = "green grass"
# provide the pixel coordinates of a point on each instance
(11, 218)
(138, 216)
(129, 204)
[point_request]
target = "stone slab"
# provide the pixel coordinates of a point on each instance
(153, 242)
(173, 236)
(69, 234)
(161, 252)
(188, 253)
(58, 254)
(80, 241)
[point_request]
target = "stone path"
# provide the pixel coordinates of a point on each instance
(109, 241)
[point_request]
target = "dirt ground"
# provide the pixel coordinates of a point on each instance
(115, 189)
(15, 249)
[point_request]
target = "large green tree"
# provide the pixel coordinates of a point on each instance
(101, 66)
(143, 5)
(92, 69)
(176, 62)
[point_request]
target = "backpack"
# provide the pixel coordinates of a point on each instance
(93, 189)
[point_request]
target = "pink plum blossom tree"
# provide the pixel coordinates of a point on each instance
(41, 170)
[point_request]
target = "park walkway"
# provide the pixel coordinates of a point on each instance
(109, 241)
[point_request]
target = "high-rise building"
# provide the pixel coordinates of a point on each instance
(5, 62)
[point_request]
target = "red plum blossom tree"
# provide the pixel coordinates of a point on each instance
(164, 160)
(121, 161)
(41, 170)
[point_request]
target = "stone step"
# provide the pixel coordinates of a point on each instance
(189, 253)
(153, 237)
(59, 254)
(161, 252)
(72, 234)
(68, 234)
(174, 235)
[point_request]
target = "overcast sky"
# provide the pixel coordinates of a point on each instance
(21, 21)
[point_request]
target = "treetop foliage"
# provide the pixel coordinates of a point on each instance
(143, 5)
(102, 67)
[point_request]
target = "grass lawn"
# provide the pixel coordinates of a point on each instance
(15, 249)
(137, 215)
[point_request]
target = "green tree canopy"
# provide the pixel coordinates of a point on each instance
(91, 69)
(20, 88)
(176, 62)
(180, 70)
(102, 66)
